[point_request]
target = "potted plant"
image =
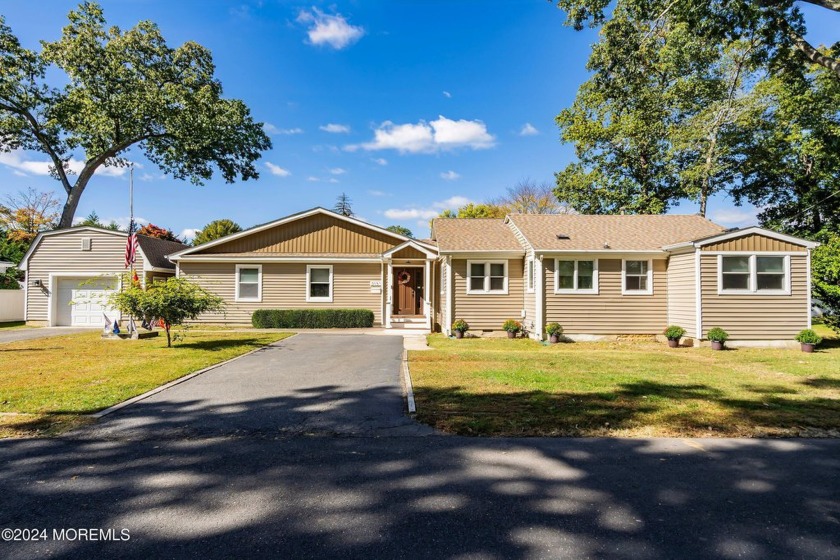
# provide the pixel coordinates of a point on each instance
(807, 339)
(555, 331)
(459, 327)
(718, 337)
(512, 326)
(674, 333)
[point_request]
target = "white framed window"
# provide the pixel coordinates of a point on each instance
(529, 275)
(636, 277)
(248, 282)
(754, 274)
(319, 283)
(575, 277)
(487, 277)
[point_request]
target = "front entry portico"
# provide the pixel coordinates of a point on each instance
(408, 291)
(409, 286)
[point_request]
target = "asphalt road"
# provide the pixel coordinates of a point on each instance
(296, 472)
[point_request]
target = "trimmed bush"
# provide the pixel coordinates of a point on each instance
(312, 318)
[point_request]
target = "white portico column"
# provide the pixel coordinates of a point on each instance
(539, 296)
(427, 292)
(389, 291)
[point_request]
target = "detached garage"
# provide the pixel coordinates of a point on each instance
(70, 273)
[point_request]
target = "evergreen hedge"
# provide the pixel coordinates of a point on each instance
(312, 318)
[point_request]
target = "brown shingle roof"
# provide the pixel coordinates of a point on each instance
(474, 234)
(156, 250)
(621, 233)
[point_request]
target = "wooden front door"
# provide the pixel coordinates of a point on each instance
(408, 291)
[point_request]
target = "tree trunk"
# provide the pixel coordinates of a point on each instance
(69, 211)
(166, 327)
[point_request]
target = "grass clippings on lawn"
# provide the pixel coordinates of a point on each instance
(501, 387)
(49, 385)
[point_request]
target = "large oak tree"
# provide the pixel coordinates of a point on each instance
(123, 89)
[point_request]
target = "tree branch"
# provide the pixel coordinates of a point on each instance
(828, 4)
(58, 163)
(811, 52)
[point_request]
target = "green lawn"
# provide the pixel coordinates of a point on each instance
(630, 389)
(49, 385)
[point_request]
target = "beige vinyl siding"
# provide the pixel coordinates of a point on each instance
(754, 242)
(609, 312)
(487, 311)
(315, 234)
(755, 317)
(284, 287)
(62, 253)
(682, 295)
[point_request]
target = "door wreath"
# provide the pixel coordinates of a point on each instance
(404, 277)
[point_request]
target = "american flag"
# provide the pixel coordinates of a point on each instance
(131, 250)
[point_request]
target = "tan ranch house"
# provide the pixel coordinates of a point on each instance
(598, 276)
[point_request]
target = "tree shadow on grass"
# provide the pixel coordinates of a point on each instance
(219, 344)
(822, 383)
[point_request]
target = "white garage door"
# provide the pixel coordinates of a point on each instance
(81, 302)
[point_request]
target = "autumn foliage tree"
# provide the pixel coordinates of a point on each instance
(151, 230)
(27, 213)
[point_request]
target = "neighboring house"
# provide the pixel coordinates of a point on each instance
(595, 275)
(5, 265)
(69, 273)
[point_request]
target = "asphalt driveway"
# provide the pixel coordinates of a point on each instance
(324, 384)
(14, 335)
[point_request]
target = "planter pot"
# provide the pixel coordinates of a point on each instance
(459, 334)
(717, 345)
(807, 347)
(673, 343)
(511, 334)
(554, 339)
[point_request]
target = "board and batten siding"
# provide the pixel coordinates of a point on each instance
(608, 312)
(284, 287)
(755, 317)
(682, 293)
(753, 242)
(314, 234)
(487, 311)
(62, 254)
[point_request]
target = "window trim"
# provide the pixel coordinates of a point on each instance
(309, 298)
(624, 290)
(753, 290)
(257, 299)
(576, 290)
(530, 275)
(487, 290)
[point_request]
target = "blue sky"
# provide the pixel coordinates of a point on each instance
(409, 107)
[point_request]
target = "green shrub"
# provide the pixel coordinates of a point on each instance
(512, 325)
(674, 332)
(460, 325)
(554, 329)
(808, 336)
(312, 318)
(717, 334)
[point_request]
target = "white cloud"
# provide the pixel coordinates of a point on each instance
(332, 30)
(437, 135)
(334, 128)
(380, 161)
(277, 170)
(450, 175)
(121, 221)
(333, 180)
(734, 217)
(189, 233)
(447, 95)
(312, 179)
(338, 171)
(271, 129)
(410, 213)
(528, 130)
(15, 160)
(429, 212)
(378, 193)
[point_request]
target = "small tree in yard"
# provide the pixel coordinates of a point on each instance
(174, 301)
(825, 271)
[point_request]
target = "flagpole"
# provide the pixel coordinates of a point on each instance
(131, 226)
